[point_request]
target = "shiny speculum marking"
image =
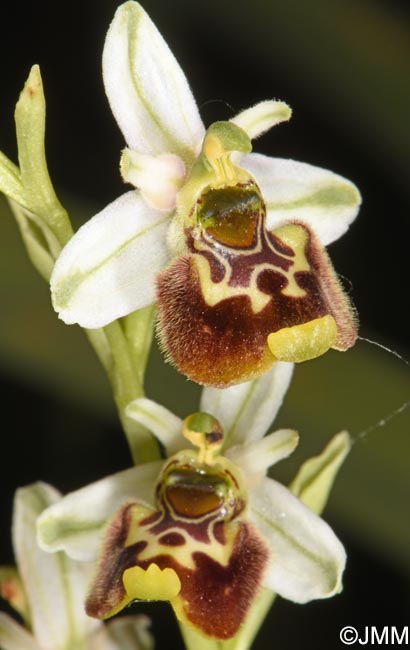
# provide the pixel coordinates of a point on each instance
(240, 283)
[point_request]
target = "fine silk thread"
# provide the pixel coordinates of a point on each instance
(390, 416)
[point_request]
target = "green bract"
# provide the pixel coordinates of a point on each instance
(43, 222)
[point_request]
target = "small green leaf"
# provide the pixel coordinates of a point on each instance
(139, 330)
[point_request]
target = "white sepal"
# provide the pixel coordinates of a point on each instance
(75, 523)
(307, 559)
(55, 586)
(147, 90)
(108, 268)
(297, 191)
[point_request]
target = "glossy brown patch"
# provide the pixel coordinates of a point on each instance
(231, 214)
(197, 492)
(194, 500)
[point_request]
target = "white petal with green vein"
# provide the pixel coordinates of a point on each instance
(108, 268)
(147, 90)
(74, 524)
(247, 410)
(307, 559)
(297, 191)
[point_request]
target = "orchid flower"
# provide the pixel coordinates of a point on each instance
(48, 590)
(229, 243)
(204, 528)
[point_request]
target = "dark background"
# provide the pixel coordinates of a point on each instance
(343, 66)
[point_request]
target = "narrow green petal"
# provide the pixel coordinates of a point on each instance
(325, 201)
(165, 426)
(263, 116)
(147, 90)
(108, 268)
(256, 457)
(315, 478)
(247, 410)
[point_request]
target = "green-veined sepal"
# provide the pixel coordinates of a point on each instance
(147, 90)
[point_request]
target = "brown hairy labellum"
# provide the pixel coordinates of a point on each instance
(238, 284)
(197, 540)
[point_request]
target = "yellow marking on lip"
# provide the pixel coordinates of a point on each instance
(214, 292)
(303, 342)
(151, 584)
(293, 235)
(296, 237)
(182, 554)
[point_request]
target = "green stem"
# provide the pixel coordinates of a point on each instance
(139, 330)
(125, 378)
